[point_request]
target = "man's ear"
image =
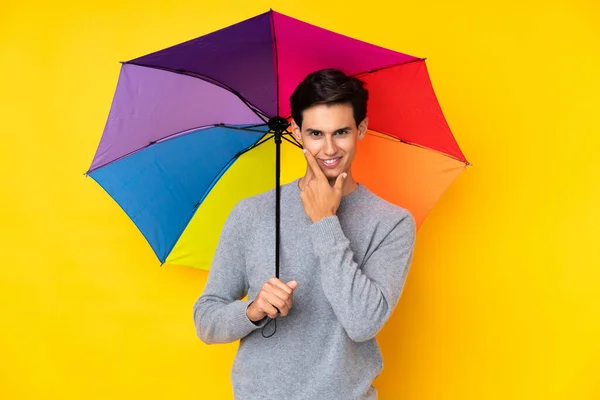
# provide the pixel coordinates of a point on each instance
(362, 128)
(296, 131)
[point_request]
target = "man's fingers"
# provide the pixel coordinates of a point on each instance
(313, 164)
(281, 290)
(266, 307)
(280, 294)
(280, 285)
(278, 303)
(276, 297)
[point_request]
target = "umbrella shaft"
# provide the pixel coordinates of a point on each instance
(277, 199)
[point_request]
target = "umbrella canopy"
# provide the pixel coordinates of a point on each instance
(188, 132)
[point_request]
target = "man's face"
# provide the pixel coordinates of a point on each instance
(330, 133)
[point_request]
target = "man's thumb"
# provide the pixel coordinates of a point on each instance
(339, 182)
(292, 284)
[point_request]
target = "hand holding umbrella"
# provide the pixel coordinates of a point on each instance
(275, 297)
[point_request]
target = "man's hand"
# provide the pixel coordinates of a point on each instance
(274, 296)
(320, 200)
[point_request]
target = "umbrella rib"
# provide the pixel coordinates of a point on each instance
(255, 145)
(237, 128)
(360, 74)
(387, 136)
(255, 126)
(294, 142)
(259, 113)
(184, 132)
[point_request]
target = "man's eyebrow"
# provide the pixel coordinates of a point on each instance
(311, 130)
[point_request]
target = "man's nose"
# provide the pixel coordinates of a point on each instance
(330, 147)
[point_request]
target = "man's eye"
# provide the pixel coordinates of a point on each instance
(315, 133)
(341, 132)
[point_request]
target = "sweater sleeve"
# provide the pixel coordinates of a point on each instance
(363, 297)
(219, 313)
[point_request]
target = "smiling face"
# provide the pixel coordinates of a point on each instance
(330, 133)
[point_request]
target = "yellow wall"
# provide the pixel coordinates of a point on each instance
(503, 297)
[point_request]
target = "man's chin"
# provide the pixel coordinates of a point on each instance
(333, 175)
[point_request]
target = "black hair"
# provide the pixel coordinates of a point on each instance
(329, 86)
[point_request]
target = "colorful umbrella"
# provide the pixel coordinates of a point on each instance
(198, 126)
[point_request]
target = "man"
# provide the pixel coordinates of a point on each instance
(345, 255)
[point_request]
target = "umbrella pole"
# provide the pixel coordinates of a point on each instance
(278, 126)
(278, 135)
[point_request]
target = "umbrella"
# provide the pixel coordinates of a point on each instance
(198, 126)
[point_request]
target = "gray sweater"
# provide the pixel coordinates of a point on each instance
(350, 270)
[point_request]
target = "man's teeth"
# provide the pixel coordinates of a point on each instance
(330, 161)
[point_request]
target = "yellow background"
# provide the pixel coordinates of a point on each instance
(503, 297)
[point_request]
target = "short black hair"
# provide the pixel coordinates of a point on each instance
(329, 86)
